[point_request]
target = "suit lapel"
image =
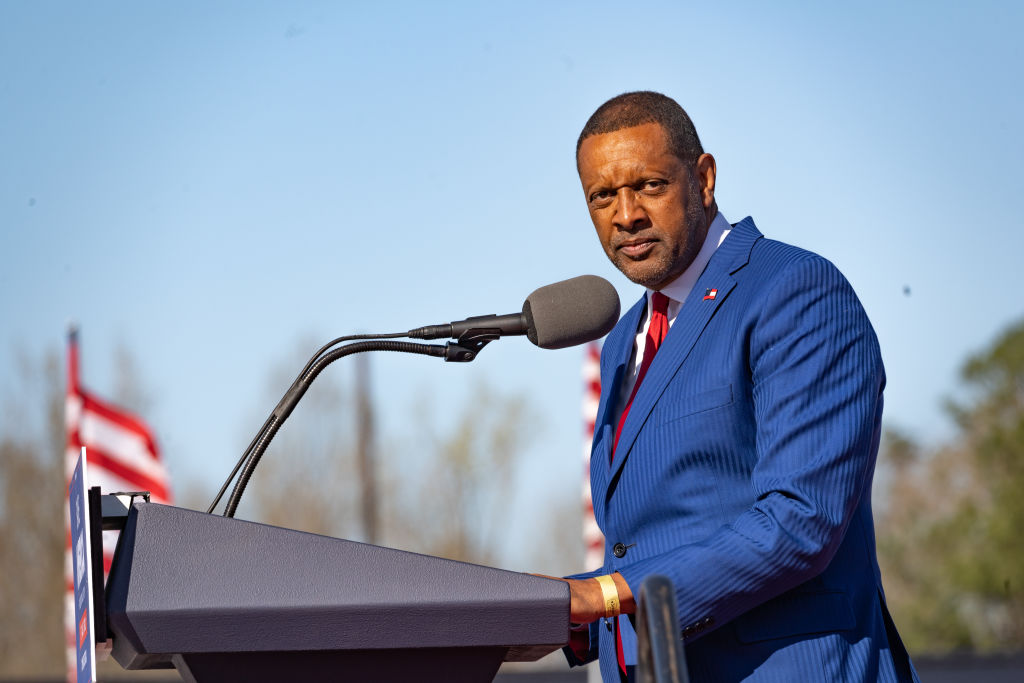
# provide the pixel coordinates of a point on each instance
(614, 361)
(693, 318)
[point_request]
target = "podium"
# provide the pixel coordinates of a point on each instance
(222, 599)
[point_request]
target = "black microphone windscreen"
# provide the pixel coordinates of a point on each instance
(571, 312)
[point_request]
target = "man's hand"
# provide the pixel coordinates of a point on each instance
(586, 600)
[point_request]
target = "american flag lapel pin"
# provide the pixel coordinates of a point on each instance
(710, 294)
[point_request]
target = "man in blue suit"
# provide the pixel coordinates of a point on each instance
(736, 460)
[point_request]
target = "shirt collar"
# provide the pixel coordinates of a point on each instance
(680, 288)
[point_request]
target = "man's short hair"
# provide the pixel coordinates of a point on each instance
(637, 108)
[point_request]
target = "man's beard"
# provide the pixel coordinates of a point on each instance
(664, 268)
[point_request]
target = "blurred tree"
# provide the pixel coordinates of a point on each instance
(949, 536)
(460, 504)
(130, 390)
(32, 512)
(32, 522)
(445, 492)
(305, 478)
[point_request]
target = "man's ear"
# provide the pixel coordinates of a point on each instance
(705, 172)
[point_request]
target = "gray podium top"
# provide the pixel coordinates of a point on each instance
(186, 584)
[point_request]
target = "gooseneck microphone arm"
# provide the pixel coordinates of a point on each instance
(555, 316)
(266, 425)
(297, 391)
(464, 350)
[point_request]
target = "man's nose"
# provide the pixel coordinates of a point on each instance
(629, 210)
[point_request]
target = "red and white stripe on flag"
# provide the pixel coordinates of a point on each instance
(593, 540)
(123, 456)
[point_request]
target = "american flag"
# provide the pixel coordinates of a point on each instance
(593, 540)
(123, 456)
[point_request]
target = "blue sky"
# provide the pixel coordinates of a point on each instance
(214, 185)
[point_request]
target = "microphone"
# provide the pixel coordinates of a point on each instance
(556, 316)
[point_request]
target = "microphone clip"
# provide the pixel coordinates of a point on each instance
(469, 344)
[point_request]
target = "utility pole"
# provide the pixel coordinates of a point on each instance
(364, 449)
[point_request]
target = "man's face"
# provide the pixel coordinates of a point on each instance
(645, 203)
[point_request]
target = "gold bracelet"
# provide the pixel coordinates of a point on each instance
(610, 594)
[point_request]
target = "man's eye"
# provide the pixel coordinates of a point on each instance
(652, 186)
(600, 198)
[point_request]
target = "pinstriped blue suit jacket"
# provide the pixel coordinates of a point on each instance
(744, 470)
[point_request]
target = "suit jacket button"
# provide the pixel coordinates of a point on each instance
(619, 550)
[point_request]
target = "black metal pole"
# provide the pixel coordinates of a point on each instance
(660, 657)
(364, 450)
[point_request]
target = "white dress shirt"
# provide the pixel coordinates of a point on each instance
(676, 291)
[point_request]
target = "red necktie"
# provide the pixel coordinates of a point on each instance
(656, 331)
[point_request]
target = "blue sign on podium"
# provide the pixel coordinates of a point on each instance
(81, 560)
